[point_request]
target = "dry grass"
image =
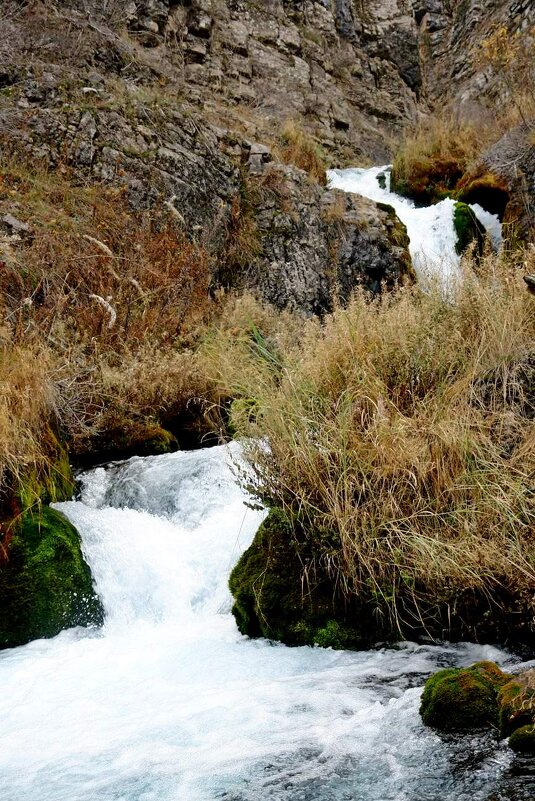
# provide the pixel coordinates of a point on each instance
(299, 148)
(28, 400)
(100, 306)
(432, 158)
(400, 432)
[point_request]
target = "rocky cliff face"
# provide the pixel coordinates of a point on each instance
(348, 69)
(173, 103)
(451, 34)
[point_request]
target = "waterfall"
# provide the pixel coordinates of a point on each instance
(430, 229)
(168, 702)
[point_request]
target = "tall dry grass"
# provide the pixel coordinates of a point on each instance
(433, 157)
(100, 310)
(298, 147)
(400, 432)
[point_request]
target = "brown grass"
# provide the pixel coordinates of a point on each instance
(101, 307)
(401, 433)
(433, 157)
(296, 146)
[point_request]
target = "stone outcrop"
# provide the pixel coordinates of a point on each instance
(317, 244)
(349, 70)
(178, 111)
(451, 33)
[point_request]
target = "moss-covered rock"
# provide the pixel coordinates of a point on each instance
(279, 594)
(136, 439)
(468, 229)
(427, 180)
(523, 740)
(516, 703)
(463, 699)
(45, 584)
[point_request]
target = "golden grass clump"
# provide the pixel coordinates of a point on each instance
(28, 400)
(401, 433)
(433, 157)
(298, 147)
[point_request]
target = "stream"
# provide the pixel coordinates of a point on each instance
(168, 702)
(431, 231)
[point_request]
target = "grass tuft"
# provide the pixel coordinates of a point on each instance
(402, 430)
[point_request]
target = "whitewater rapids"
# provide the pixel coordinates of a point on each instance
(430, 229)
(168, 702)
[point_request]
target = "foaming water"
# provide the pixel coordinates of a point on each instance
(430, 229)
(167, 702)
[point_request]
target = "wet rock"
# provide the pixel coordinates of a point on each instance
(272, 598)
(45, 584)
(319, 244)
(463, 699)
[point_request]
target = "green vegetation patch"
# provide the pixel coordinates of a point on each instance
(516, 703)
(463, 699)
(523, 740)
(279, 596)
(45, 584)
(468, 229)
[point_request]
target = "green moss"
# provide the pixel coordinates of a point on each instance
(280, 596)
(45, 584)
(137, 439)
(468, 229)
(516, 704)
(523, 740)
(462, 699)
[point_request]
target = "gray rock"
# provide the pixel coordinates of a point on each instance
(319, 244)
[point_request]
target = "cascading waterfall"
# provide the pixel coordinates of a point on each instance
(430, 229)
(167, 702)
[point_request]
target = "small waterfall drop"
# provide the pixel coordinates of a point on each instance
(168, 702)
(430, 229)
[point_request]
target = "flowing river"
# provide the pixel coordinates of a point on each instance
(168, 702)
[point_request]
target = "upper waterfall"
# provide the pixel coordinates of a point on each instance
(430, 229)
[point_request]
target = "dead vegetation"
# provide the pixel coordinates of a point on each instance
(399, 432)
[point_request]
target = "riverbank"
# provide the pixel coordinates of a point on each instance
(167, 699)
(397, 443)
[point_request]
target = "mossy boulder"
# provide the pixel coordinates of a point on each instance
(280, 594)
(523, 740)
(463, 699)
(468, 229)
(135, 439)
(45, 584)
(427, 180)
(516, 703)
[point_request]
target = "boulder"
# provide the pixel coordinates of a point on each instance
(45, 583)
(279, 593)
(317, 245)
(463, 699)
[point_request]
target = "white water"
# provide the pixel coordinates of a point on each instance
(169, 703)
(430, 229)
